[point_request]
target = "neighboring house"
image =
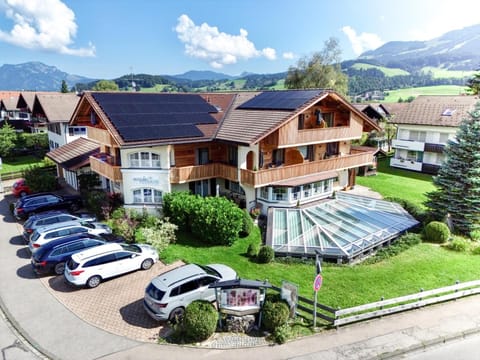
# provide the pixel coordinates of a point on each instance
(379, 114)
(25, 103)
(9, 113)
(262, 149)
(73, 159)
(55, 110)
(423, 128)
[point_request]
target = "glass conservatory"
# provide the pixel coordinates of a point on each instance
(343, 228)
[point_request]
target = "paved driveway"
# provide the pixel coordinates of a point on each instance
(116, 305)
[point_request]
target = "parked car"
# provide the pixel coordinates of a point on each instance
(167, 295)
(45, 234)
(89, 267)
(51, 257)
(20, 188)
(30, 204)
(48, 218)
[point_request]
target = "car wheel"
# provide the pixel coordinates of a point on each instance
(176, 315)
(94, 281)
(147, 264)
(59, 268)
(23, 193)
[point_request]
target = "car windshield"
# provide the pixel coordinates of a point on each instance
(210, 271)
(131, 247)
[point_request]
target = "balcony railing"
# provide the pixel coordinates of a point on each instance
(408, 145)
(102, 167)
(201, 172)
(268, 176)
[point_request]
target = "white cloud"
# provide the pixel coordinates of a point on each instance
(42, 25)
(207, 43)
(288, 55)
(362, 42)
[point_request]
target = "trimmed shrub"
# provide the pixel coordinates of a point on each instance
(274, 314)
(199, 321)
(282, 334)
(159, 236)
(265, 254)
(475, 235)
(247, 224)
(459, 244)
(252, 250)
(437, 232)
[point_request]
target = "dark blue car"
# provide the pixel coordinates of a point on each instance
(51, 257)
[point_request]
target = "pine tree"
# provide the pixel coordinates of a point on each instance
(458, 180)
(64, 88)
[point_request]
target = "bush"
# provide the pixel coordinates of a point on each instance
(282, 334)
(437, 232)
(476, 250)
(274, 314)
(95, 201)
(475, 235)
(265, 254)
(400, 244)
(124, 222)
(247, 224)
(199, 321)
(459, 244)
(159, 236)
(252, 250)
(39, 179)
(413, 209)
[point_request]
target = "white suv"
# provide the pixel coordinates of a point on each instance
(167, 296)
(91, 266)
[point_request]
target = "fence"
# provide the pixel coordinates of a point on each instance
(338, 317)
(19, 174)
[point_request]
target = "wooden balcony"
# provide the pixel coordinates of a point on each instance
(201, 172)
(103, 168)
(100, 135)
(269, 176)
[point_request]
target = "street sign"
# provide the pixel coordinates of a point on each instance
(317, 284)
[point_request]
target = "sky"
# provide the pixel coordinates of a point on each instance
(106, 39)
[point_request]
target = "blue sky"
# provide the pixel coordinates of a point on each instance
(106, 39)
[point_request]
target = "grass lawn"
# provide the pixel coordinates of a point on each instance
(394, 95)
(426, 266)
(393, 182)
(19, 163)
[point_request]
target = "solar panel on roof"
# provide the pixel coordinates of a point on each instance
(140, 116)
(280, 100)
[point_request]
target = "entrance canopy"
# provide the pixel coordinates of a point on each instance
(342, 228)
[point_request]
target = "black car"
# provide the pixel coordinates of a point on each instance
(35, 203)
(51, 257)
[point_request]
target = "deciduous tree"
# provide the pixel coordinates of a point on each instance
(106, 85)
(321, 70)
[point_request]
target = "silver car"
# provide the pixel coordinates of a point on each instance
(167, 295)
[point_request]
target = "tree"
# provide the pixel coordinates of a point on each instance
(458, 181)
(105, 85)
(474, 84)
(64, 88)
(322, 70)
(8, 137)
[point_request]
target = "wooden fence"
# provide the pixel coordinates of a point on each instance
(338, 317)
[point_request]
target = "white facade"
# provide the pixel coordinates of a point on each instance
(420, 147)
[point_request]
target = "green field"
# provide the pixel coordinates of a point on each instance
(394, 95)
(439, 73)
(386, 71)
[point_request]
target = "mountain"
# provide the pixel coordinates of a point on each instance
(36, 76)
(455, 50)
(203, 75)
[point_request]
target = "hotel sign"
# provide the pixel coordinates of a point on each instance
(145, 181)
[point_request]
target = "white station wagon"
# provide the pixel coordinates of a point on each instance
(91, 266)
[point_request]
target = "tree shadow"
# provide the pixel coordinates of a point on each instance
(135, 315)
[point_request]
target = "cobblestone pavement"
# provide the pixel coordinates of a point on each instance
(116, 305)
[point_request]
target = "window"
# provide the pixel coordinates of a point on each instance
(147, 196)
(232, 156)
(443, 138)
(417, 135)
(234, 186)
(144, 159)
(77, 130)
(328, 118)
(278, 156)
(306, 151)
(202, 155)
(301, 121)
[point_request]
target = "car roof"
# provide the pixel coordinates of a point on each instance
(177, 275)
(69, 239)
(47, 214)
(96, 251)
(60, 225)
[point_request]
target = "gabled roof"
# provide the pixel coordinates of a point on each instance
(436, 110)
(9, 103)
(57, 107)
(9, 94)
(75, 154)
(247, 123)
(155, 118)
